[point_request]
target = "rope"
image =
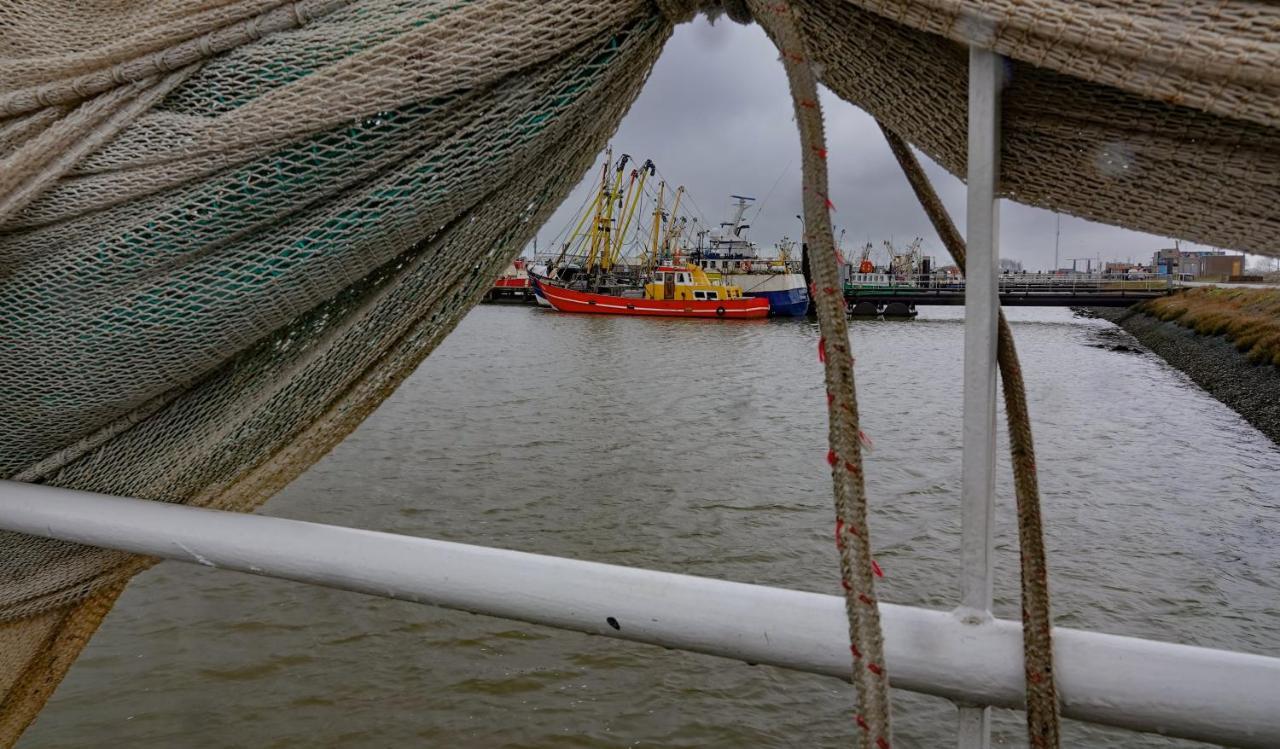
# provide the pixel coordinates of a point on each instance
(857, 568)
(1042, 696)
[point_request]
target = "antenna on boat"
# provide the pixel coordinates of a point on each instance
(740, 208)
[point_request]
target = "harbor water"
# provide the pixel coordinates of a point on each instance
(699, 448)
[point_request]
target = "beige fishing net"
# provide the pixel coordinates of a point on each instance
(228, 229)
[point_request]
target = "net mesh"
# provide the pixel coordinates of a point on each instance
(229, 228)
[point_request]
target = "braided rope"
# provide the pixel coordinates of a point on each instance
(1042, 696)
(857, 569)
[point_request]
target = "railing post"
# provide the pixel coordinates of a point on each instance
(981, 306)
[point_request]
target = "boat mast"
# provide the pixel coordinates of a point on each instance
(636, 191)
(592, 210)
(731, 239)
(740, 211)
(614, 245)
(603, 244)
(671, 222)
(657, 225)
(601, 199)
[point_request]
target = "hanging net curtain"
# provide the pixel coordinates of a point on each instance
(228, 229)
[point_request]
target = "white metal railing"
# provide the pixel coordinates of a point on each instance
(981, 306)
(1177, 690)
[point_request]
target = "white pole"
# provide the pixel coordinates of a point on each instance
(1057, 232)
(1194, 693)
(981, 304)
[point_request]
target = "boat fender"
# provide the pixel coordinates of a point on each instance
(720, 311)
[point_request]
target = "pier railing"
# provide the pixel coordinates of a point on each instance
(1081, 283)
(1013, 289)
(1176, 690)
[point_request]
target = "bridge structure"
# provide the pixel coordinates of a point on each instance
(878, 290)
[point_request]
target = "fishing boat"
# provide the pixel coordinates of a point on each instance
(512, 285)
(737, 261)
(673, 292)
(787, 294)
(659, 283)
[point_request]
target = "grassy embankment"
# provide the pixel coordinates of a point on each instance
(1249, 318)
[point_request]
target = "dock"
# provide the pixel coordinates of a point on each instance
(1015, 290)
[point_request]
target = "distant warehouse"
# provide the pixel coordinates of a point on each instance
(1208, 265)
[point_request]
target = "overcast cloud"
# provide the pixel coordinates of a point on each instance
(715, 116)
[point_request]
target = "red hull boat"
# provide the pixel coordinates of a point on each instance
(569, 300)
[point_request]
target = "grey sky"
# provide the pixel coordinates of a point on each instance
(715, 116)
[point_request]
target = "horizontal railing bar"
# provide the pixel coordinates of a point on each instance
(1144, 685)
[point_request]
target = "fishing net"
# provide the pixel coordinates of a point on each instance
(229, 228)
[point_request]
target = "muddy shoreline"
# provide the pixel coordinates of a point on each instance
(1212, 362)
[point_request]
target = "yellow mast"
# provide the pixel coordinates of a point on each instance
(633, 199)
(591, 211)
(679, 234)
(657, 226)
(607, 250)
(601, 199)
(604, 242)
(671, 222)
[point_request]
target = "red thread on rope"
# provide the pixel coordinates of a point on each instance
(845, 584)
(807, 103)
(851, 468)
(822, 350)
(822, 153)
(875, 567)
(865, 440)
(831, 458)
(839, 530)
(875, 669)
(830, 397)
(828, 290)
(866, 599)
(862, 723)
(881, 743)
(830, 206)
(856, 653)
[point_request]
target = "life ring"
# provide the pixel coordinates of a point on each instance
(720, 311)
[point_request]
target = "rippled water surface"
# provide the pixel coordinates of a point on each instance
(696, 448)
